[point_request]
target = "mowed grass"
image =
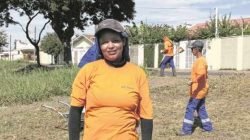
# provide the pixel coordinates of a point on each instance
(227, 104)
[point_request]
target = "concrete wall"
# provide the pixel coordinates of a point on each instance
(213, 54)
(228, 54)
(246, 53)
(221, 53)
(133, 51)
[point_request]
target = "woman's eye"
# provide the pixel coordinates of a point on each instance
(103, 42)
(116, 41)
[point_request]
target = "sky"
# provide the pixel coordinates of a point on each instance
(171, 12)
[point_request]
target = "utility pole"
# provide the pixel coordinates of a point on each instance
(216, 22)
(242, 27)
(10, 48)
(34, 53)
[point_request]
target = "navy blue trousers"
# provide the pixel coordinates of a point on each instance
(166, 60)
(199, 106)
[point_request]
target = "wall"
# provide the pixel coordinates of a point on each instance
(246, 53)
(221, 53)
(46, 59)
(79, 48)
(228, 54)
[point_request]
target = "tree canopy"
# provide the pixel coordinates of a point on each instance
(66, 15)
(51, 44)
(149, 34)
(3, 39)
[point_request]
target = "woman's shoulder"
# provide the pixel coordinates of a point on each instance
(130, 64)
(135, 67)
(93, 64)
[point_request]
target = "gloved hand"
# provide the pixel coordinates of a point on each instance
(190, 83)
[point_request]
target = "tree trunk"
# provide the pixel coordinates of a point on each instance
(67, 53)
(37, 56)
(56, 59)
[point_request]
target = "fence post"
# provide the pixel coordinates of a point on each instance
(156, 55)
(141, 55)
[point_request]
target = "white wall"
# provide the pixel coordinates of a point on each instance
(23, 45)
(45, 58)
(213, 54)
(246, 53)
(221, 53)
(79, 48)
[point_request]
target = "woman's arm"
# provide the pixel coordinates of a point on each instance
(74, 125)
(146, 129)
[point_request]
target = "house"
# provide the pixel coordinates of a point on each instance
(79, 46)
(26, 51)
(21, 50)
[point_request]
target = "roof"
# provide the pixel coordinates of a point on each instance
(233, 21)
(89, 38)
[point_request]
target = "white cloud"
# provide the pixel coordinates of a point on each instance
(174, 12)
(171, 12)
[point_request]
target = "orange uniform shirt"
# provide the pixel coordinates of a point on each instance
(115, 99)
(169, 48)
(199, 88)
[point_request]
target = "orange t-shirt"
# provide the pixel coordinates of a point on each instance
(169, 48)
(199, 88)
(115, 99)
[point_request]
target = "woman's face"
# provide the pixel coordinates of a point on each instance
(111, 45)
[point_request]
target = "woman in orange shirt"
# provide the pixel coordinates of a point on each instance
(114, 92)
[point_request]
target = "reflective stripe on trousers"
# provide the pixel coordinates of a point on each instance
(199, 106)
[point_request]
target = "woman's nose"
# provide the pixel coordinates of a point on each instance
(110, 44)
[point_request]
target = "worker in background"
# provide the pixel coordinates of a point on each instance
(168, 57)
(198, 92)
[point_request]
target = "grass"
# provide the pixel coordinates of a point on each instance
(227, 104)
(36, 85)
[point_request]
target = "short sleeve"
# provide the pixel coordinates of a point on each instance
(145, 106)
(202, 67)
(80, 87)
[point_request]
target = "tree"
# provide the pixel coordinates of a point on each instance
(3, 40)
(66, 15)
(180, 33)
(30, 8)
(226, 27)
(52, 45)
(150, 34)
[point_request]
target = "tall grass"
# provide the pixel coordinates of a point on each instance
(36, 85)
